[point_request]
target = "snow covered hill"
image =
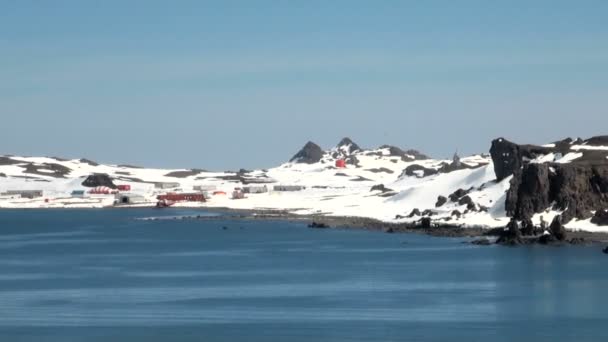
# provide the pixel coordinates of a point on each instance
(386, 183)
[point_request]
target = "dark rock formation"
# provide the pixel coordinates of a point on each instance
(510, 236)
(481, 242)
(577, 188)
(381, 169)
(352, 147)
(557, 229)
(3, 175)
(600, 218)
(87, 161)
(360, 179)
(9, 161)
(425, 222)
(309, 154)
(468, 201)
(577, 241)
(428, 212)
(381, 188)
(352, 160)
(99, 179)
(47, 169)
(508, 157)
(455, 166)
(458, 194)
(605, 250)
(527, 228)
(529, 191)
(413, 170)
(407, 156)
(183, 173)
(601, 140)
(441, 200)
(547, 239)
(318, 225)
(456, 213)
(414, 212)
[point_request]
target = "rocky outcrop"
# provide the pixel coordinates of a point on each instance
(508, 157)
(99, 179)
(577, 188)
(441, 200)
(309, 154)
(468, 201)
(46, 169)
(481, 242)
(407, 156)
(458, 194)
(557, 228)
(414, 212)
(418, 171)
(4, 160)
(348, 143)
(184, 173)
(511, 235)
(88, 161)
(381, 188)
(600, 218)
(319, 225)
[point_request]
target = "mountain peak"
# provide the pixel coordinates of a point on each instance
(351, 145)
(309, 154)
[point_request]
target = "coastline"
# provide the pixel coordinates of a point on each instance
(364, 223)
(478, 233)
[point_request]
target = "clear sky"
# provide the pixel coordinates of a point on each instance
(229, 84)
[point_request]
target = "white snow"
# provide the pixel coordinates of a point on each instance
(588, 147)
(569, 157)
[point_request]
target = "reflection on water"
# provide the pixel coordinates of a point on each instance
(94, 275)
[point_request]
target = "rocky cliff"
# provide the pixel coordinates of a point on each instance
(569, 176)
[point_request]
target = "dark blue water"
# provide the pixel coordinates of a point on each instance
(104, 275)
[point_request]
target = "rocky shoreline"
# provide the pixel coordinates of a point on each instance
(478, 235)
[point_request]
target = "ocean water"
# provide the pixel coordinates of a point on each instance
(108, 275)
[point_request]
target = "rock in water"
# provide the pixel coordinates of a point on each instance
(318, 225)
(481, 242)
(511, 236)
(557, 229)
(309, 154)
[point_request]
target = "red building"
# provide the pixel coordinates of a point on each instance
(340, 163)
(124, 187)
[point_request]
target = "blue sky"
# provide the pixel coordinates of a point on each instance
(229, 84)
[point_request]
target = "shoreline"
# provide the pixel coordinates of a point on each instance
(352, 222)
(364, 223)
